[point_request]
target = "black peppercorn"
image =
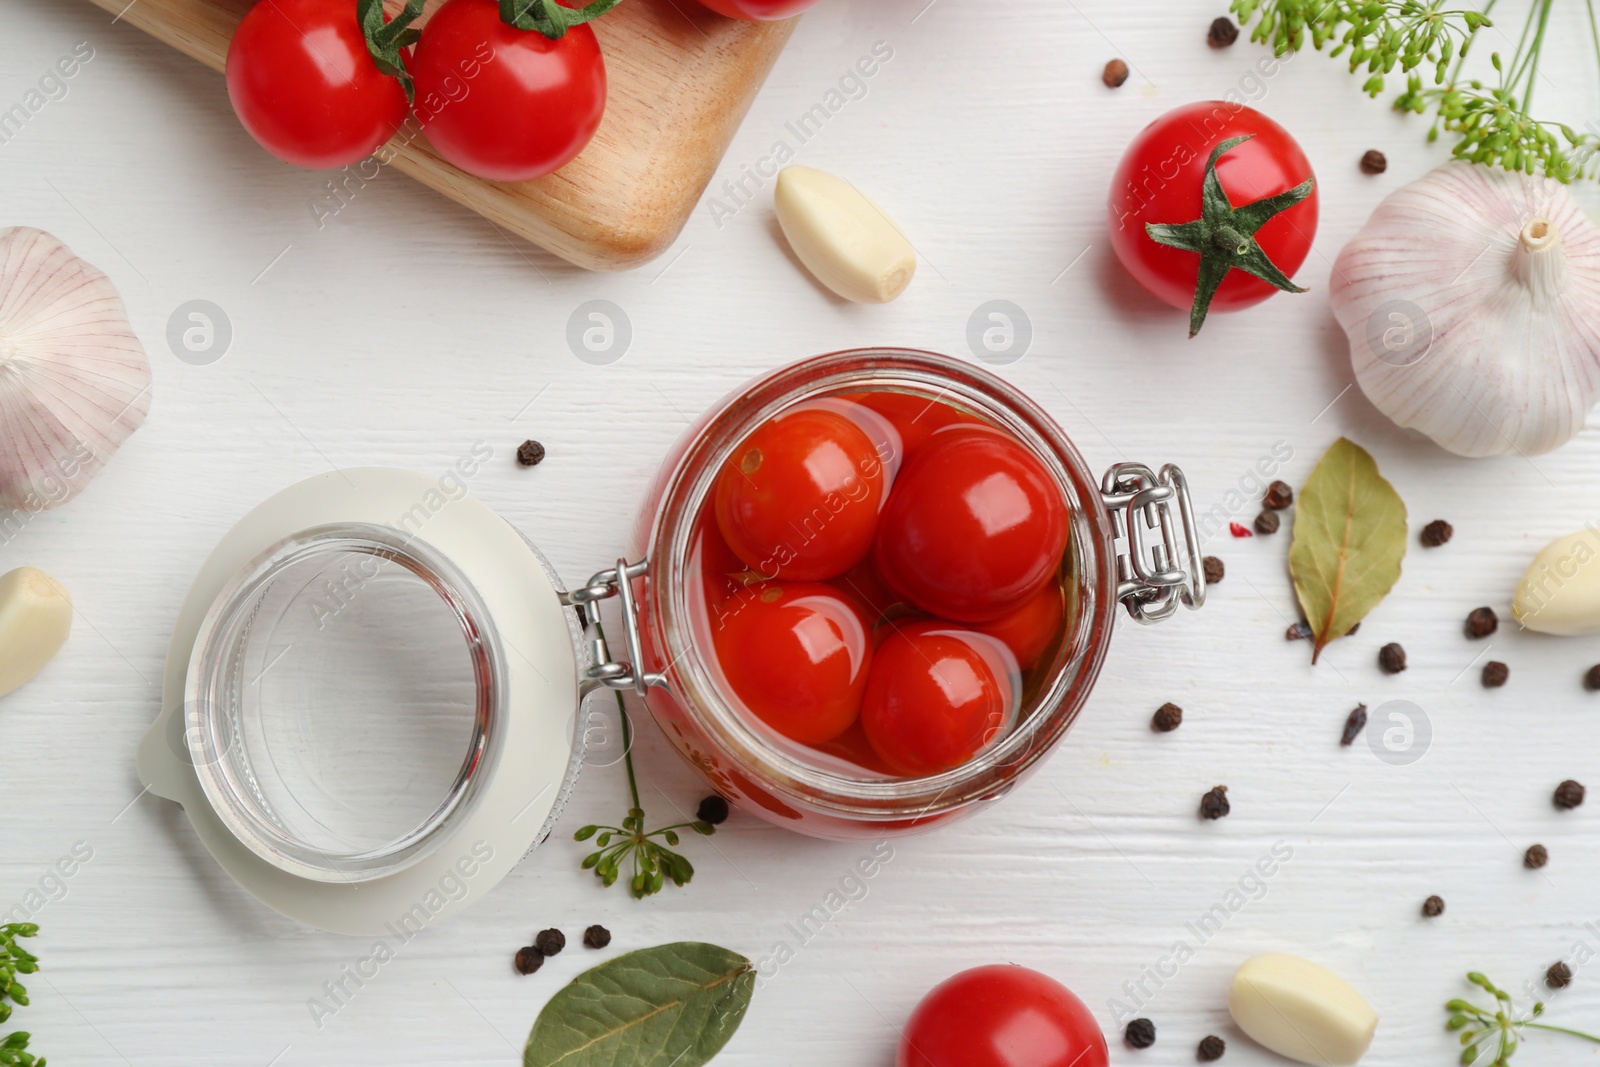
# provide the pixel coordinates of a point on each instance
(1168, 717)
(1591, 681)
(530, 453)
(1353, 725)
(550, 942)
(1300, 631)
(1115, 74)
(1214, 569)
(1436, 533)
(714, 810)
(1211, 1048)
(1279, 496)
(1222, 32)
(1141, 1033)
(528, 960)
(1482, 622)
(1214, 805)
(1392, 658)
(1536, 856)
(1559, 976)
(1495, 674)
(596, 937)
(1433, 907)
(1373, 162)
(1569, 794)
(1267, 522)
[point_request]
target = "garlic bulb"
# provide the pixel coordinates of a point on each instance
(1472, 303)
(74, 380)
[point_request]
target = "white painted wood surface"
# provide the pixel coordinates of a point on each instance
(407, 330)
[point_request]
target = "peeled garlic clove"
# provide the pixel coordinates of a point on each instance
(35, 619)
(74, 380)
(1560, 593)
(1301, 1010)
(842, 237)
(1472, 303)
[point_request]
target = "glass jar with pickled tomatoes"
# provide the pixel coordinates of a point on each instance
(875, 588)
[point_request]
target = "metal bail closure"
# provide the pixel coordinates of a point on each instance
(603, 672)
(1157, 546)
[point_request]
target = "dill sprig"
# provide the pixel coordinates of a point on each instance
(15, 960)
(1428, 41)
(652, 862)
(1486, 1031)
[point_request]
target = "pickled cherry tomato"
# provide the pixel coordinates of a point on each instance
(935, 698)
(973, 527)
(797, 655)
(862, 586)
(721, 571)
(915, 418)
(1030, 630)
(799, 498)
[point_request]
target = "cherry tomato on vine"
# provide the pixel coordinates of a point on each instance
(1001, 1015)
(306, 86)
(758, 10)
(797, 655)
(974, 525)
(1250, 242)
(799, 497)
(503, 103)
(936, 697)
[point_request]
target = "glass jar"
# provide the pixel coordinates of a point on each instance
(373, 704)
(1132, 542)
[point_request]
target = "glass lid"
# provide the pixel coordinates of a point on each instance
(344, 701)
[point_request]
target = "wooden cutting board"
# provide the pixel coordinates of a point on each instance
(681, 80)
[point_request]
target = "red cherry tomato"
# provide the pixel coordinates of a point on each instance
(797, 656)
(862, 586)
(302, 82)
(501, 103)
(974, 526)
(722, 573)
(758, 10)
(937, 696)
(1030, 630)
(914, 417)
(1001, 1016)
(799, 498)
(1159, 181)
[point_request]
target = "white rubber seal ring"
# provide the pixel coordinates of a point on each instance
(541, 746)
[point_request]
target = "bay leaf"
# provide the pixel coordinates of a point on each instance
(674, 1005)
(1349, 539)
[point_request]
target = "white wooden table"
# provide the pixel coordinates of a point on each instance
(407, 329)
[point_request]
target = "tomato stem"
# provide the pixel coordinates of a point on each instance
(1224, 236)
(550, 18)
(387, 37)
